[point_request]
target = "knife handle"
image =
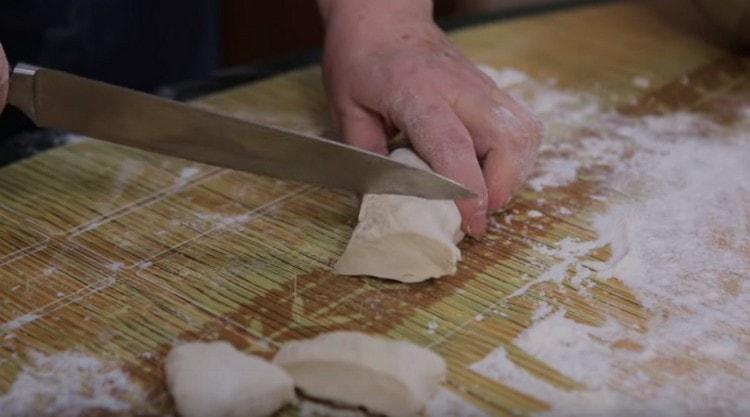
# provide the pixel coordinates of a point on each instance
(21, 89)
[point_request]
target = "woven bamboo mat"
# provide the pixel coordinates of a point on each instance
(118, 253)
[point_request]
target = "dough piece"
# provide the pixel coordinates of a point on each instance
(385, 376)
(216, 380)
(408, 239)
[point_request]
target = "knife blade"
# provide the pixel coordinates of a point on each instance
(55, 99)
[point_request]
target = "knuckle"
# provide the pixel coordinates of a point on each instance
(536, 131)
(447, 146)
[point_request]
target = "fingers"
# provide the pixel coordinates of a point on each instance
(531, 127)
(439, 136)
(500, 177)
(506, 137)
(363, 129)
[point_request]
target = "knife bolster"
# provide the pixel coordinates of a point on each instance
(21, 92)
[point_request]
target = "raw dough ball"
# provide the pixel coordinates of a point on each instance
(408, 239)
(385, 376)
(216, 380)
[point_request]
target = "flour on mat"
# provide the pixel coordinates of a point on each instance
(68, 385)
(18, 322)
(222, 220)
(115, 266)
(534, 214)
(444, 403)
(676, 188)
(641, 82)
(432, 326)
(188, 172)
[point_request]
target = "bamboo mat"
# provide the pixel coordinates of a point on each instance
(118, 253)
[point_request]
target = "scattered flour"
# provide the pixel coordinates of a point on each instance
(498, 367)
(69, 385)
(18, 322)
(115, 266)
(447, 404)
(641, 82)
(567, 341)
(187, 172)
(543, 310)
(558, 108)
(534, 214)
(432, 326)
(215, 219)
(677, 222)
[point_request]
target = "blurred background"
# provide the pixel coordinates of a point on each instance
(260, 30)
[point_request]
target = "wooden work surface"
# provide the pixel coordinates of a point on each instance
(119, 254)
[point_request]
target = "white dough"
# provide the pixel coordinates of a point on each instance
(408, 239)
(385, 376)
(216, 380)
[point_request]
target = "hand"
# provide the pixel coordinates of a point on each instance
(4, 74)
(387, 67)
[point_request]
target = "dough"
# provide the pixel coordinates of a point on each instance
(408, 239)
(385, 376)
(216, 380)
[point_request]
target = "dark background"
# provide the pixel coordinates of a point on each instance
(252, 30)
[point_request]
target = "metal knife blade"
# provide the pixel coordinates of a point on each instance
(56, 99)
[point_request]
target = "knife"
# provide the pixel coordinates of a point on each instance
(55, 99)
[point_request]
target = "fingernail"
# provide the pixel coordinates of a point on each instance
(477, 224)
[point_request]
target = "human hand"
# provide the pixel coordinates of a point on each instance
(387, 67)
(4, 76)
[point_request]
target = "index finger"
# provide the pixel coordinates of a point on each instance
(439, 136)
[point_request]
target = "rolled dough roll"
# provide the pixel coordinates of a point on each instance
(216, 380)
(385, 376)
(408, 239)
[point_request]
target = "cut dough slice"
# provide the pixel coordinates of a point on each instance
(408, 239)
(385, 376)
(216, 380)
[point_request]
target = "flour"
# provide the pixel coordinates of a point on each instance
(498, 367)
(188, 172)
(225, 221)
(543, 310)
(18, 322)
(115, 266)
(447, 404)
(555, 107)
(432, 326)
(641, 82)
(676, 191)
(68, 385)
(534, 214)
